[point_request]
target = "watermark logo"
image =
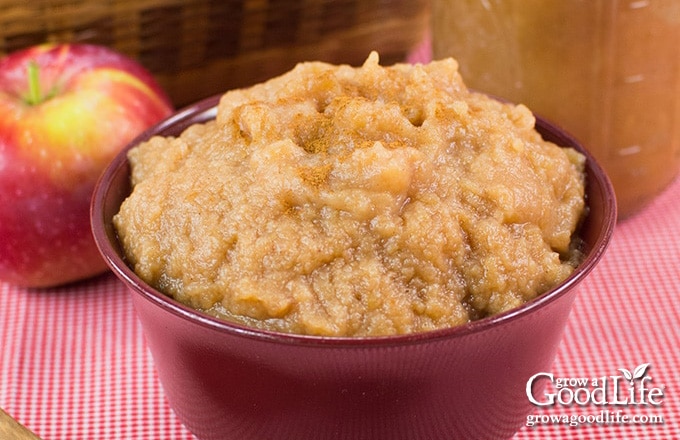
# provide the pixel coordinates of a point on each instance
(638, 373)
(612, 395)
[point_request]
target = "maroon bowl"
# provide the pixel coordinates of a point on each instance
(228, 381)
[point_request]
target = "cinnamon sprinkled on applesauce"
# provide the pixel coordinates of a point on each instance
(345, 201)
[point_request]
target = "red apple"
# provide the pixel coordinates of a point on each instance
(65, 111)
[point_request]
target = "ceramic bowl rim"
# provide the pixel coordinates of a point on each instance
(206, 108)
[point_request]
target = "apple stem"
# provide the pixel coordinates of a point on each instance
(34, 94)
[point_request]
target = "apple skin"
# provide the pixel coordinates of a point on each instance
(52, 153)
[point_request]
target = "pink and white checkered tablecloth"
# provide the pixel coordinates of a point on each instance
(74, 363)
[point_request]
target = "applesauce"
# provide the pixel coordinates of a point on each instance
(355, 201)
(607, 71)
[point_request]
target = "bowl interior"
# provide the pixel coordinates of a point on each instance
(114, 186)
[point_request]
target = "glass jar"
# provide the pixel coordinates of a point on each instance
(608, 71)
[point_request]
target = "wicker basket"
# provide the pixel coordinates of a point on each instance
(197, 48)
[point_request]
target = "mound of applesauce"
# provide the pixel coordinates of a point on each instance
(355, 201)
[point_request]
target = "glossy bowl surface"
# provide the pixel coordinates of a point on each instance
(226, 381)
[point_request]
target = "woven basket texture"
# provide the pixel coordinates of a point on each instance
(197, 48)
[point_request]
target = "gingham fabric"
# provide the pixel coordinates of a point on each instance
(74, 364)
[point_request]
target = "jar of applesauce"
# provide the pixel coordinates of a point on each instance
(608, 71)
